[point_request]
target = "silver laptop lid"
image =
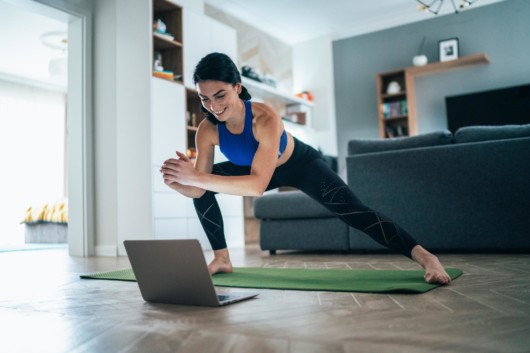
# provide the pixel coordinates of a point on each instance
(172, 271)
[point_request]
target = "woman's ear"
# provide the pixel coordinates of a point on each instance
(238, 86)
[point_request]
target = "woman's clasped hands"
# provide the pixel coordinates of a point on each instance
(179, 171)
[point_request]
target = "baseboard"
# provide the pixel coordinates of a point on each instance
(106, 250)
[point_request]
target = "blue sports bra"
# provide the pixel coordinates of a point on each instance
(240, 149)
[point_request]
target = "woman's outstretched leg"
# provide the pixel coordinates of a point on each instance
(326, 187)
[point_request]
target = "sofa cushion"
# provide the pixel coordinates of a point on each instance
(360, 146)
(487, 133)
(289, 205)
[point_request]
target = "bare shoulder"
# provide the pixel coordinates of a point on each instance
(261, 110)
(266, 123)
(207, 133)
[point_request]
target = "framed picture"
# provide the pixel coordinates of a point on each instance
(448, 49)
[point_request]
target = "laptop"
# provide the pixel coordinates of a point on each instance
(175, 272)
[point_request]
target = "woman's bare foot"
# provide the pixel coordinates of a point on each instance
(221, 262)
(434, 271)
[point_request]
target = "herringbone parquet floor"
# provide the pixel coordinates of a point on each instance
(45, 307)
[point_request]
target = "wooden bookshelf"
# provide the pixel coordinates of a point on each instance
(265, 91)
(397, 111)
(393, 107)
(194, 116)
(169, 46)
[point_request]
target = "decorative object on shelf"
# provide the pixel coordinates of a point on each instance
(393, 88)
(448, 49)
(435, 5)
(157, 61)
(160, 28)
(251, 73)
(396, 131)
(269, 80)
(255, 75)
(420, 59)
(305, 95)
(297, 113)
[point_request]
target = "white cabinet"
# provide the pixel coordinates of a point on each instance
(168, 122)
(203, 35)
(168, 134)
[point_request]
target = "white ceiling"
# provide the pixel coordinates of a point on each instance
(295, 21)
(22, 53)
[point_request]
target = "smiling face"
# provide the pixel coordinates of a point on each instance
(220, 98)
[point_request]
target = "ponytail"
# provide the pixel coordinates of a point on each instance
(244, 95)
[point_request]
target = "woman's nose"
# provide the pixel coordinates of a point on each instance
(214, 107)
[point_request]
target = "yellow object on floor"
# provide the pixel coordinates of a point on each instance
(49, 212)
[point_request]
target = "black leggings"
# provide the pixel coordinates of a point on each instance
(306, 171)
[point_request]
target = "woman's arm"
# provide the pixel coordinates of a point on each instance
(205, 141)
(185, 190)
(268, 130)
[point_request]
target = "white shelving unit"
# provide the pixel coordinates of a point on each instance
(265, 91)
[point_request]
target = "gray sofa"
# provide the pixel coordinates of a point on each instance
(464, 193)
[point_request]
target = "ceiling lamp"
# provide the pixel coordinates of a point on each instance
(58, 65)
(435, 5)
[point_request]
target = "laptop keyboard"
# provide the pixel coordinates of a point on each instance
(224, 297)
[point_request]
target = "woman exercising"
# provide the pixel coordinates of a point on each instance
(263, 156)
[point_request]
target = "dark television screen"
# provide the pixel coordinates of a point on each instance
(503, 106)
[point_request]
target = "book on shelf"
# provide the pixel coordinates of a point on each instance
(164, 35)
(400, 130)
(394, 109)
(164, 74)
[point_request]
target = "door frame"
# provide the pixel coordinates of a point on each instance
(79, 121)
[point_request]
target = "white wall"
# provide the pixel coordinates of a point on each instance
(313, 71)
(122, 124)
(133, 137)
(193, 5)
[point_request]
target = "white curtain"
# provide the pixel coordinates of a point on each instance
(32, 153)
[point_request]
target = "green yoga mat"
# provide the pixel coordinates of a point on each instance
(369, 281)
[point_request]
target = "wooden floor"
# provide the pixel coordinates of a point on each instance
(45, 307)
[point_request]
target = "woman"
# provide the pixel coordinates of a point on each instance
(263, 156)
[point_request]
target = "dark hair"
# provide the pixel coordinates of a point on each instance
(218, 67)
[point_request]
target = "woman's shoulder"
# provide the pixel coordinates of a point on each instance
(263, 111)
(207, 131)
(264, 119)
